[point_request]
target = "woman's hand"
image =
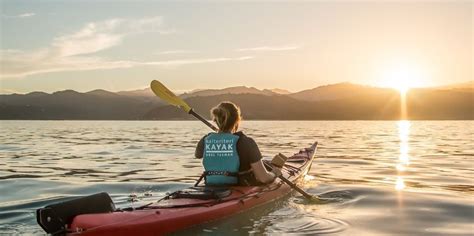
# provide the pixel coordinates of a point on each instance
(276, 171)
(261, 173)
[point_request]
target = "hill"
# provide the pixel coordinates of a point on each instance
(427, 104)
(72, 105)
(334, 91)
(466, 86)
(343, 101)
(230, 90)
(378, 105)
(279, 107)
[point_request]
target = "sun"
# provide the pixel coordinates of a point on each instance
(402, 77)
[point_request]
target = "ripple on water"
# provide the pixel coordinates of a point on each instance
(133, 147)
(101, 153)
(335, 196)
(290, 220)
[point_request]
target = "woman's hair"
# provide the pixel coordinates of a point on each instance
(226, 115)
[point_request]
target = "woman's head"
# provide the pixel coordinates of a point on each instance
(227, 116)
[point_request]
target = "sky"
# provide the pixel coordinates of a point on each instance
(123, 45)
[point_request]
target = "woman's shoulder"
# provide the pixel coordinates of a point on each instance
(241, 134)
(248, 148)
(208, 134)
(243, 138)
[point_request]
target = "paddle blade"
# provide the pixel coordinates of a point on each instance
(164, 93)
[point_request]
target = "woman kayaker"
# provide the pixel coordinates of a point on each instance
(231, 157)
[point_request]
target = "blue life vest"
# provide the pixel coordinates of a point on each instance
(221, 160)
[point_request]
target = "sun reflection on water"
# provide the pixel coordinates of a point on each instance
(400, 184)
(404, 158)
(309, 177)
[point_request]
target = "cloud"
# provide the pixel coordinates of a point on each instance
(176, 52)
(33, 66)
(196, 61)
(97, 36)
(23, 15)
(72, 52)
(21, 64)
(270, 48)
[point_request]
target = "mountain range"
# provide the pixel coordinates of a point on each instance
(343, 101)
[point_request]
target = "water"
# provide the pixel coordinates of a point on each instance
(385, 177)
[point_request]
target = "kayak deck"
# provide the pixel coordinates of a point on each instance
(171, 214)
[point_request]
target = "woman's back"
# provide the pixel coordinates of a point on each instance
(246, 149)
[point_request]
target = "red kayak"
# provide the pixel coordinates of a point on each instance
(189, 207)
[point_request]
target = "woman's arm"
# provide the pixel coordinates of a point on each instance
(248, 148)
(261, 173)
(199, 152)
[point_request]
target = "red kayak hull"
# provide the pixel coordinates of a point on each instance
(172, 215)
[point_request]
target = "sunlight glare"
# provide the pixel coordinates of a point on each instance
(402, 77)
(403, 130)
(400, 167)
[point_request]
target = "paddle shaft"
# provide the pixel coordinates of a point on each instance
(199, 117)
(294, 186)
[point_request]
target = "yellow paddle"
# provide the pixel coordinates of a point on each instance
(164, 93)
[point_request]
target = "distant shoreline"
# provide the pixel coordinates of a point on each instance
(332, 102)
(254, 120)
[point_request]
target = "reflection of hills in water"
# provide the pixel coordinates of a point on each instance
(344, 101)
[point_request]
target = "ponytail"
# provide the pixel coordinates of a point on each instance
(226, 115)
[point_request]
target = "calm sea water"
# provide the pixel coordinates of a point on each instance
(386, 177)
